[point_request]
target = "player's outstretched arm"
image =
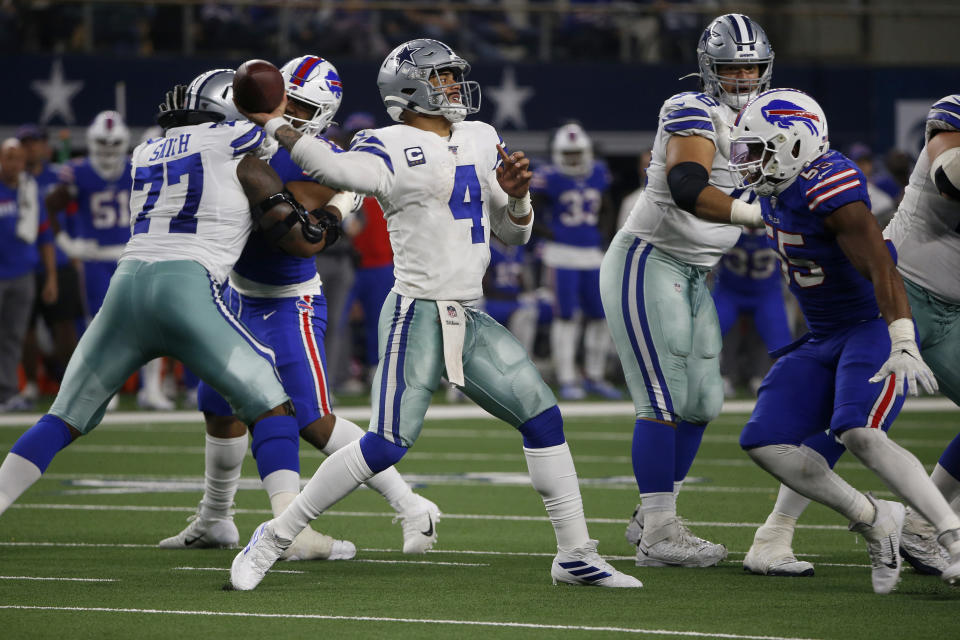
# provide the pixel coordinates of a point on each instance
(859, 237)
(281, 218)
(688, 163)
(944, 153)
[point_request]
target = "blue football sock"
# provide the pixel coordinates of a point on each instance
(379, 453)
(42, 441)
(689, 436)
(654, 455)
(543, 430)
(950, 459)
(276, 445)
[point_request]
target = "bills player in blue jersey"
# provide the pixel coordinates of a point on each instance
(571, 192)
(446, 184)
(816, 208)
(926, 234)
(279, 298)
(99, 185)
(748, 282)
(506, 294)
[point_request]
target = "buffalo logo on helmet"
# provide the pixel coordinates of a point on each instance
(334, 84)
(784, 114)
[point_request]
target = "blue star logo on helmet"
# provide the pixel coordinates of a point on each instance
(784, 114)
(406, 57)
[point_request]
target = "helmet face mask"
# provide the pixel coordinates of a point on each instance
(413, 78)
(572, 150)
(776, 136)
(107, 141)
(314, 85)
(734, 39)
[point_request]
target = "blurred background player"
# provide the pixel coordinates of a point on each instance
(52, 333)
(925, 234)
(855, 304)
(279, 298)
(882, 205)
(507, 292)
(99, 187)
(653, 283)
(25, 241)
(747, 282)
(571, 193)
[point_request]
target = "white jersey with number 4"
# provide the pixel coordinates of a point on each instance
(187, 202)
(656, 217)
(437, 195)
(926, 227)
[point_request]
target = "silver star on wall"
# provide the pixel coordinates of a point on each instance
(56, 93)
(509, 99)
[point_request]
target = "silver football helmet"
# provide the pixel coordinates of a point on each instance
(734, 39)
(572, 150)
(213, 91)
(777, 135)
(315, 83)
(107, 141)
(405, 81)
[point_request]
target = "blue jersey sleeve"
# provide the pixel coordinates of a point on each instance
(832, 182)
(286, 168)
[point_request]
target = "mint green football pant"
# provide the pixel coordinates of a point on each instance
(938, 324)
(665, 329)
(172, 308)
(498, 373)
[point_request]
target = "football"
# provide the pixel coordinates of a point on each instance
(258, 86)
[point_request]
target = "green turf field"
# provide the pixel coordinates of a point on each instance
(77, 554)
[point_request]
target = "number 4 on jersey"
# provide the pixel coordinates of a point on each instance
(466, 200)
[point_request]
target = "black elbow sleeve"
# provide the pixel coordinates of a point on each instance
(686, 180)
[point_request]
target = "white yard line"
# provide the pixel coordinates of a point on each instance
(58, 579)
(451, 622)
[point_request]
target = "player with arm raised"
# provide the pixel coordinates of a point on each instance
(191, 215)
(279, 298)
(654, 291)
(926, 234)
(853, 299)
(445, 184)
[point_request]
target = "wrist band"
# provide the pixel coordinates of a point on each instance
(273, 124)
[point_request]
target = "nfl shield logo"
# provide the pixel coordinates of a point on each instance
(451, 311)
(677, 287)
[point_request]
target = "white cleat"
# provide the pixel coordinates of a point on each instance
(674, 545)
(204, 534)
(771, 555)
(253, 562)
(584, 566)
(419, 526)
(883, 543)
(113, 403)
(313, 545)
(635, 527)
(919, 546)
(155, 401)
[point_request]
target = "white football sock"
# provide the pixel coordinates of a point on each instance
(282, 486)
(948, 485)
(337, 476)
(564, 335)
(388, 482)
(596, 346)
(223, 458)
(17, 474)
(790, 503)
(554, 476)
(658, 508)
(152, 373)
(902, 473)
(808, 473)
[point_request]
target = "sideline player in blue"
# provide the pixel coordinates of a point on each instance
(192, 198)
(748, 282)
(926, 234)
(279, 298)
(506, 296)
(854, 301)
(571, 193)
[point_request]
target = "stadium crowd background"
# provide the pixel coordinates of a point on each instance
(622, 52)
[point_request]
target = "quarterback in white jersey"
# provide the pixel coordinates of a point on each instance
(444, 185)
(653, 283)
(190, 218)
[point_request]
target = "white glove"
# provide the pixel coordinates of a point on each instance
(346, 202)
(905, 362)
(723, 133)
